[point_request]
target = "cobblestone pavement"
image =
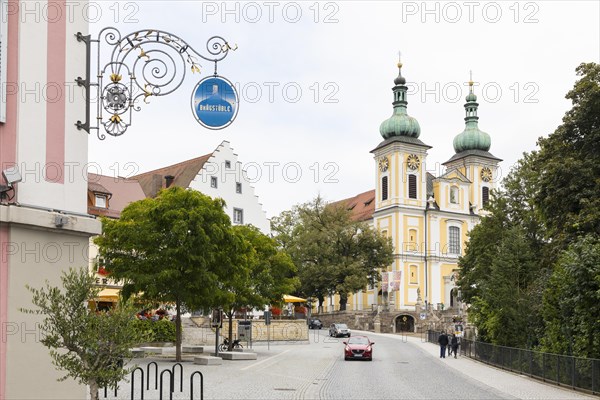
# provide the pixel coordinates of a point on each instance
(315, 369)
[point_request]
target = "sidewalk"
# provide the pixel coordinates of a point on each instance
(519, 386)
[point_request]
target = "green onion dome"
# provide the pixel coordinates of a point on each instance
(400, 123)
(472, 138)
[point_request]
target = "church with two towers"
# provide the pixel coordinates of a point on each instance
(427, 217)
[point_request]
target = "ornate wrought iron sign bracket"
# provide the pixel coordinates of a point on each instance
(134, 68)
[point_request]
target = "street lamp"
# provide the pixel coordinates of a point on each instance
(141, 65)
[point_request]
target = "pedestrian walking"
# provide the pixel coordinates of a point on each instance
(443, 341)
(454, 344)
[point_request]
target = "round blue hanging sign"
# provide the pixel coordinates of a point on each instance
(215, 102)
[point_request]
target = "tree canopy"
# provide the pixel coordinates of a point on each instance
(266, 275)
(530, 267)
(176, 248)
(333, 253)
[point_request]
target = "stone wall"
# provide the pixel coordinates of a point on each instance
(279, 330)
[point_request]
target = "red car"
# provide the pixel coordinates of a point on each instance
(358, 347)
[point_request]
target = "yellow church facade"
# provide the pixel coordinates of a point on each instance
(427, 217)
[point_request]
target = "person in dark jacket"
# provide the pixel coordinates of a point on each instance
(443, 341)
(454, 344)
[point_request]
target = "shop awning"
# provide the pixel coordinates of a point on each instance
(293, 299)
(111, 295)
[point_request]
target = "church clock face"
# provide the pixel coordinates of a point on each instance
(413, 162)
(384, 164)
(486, 174)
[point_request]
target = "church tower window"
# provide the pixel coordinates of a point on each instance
(412, 186)
(384, 188)
(485, 195)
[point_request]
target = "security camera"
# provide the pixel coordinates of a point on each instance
(12, 175)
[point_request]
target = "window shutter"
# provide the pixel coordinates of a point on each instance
(384, 188)
(485, 195)
(412, 186)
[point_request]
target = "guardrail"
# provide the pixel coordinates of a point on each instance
(577, 373)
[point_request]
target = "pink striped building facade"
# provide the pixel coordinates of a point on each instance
(41, 58)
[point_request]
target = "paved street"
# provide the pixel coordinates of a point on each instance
(407, 369)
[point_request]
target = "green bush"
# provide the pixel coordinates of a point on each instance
(158, 331)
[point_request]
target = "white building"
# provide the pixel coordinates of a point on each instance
(217, 174)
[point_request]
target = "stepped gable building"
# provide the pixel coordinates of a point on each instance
(217, 174)
(426, 216)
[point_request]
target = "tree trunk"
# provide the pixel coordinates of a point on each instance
(178, 331)
(93, 390)
(343, 301)
(230, 330)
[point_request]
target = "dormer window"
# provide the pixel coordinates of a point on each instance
(101, 201)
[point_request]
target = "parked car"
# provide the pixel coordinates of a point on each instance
(337, 330)
(358, 347)
(315, 323)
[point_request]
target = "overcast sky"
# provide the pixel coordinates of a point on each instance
(315, 82)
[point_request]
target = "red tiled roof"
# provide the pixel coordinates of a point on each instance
(361, 206)
(184, 172)
(96, 187)
(123, 191)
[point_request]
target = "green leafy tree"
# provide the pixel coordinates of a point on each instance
(548, 202)
(89, 346)
(572, 301)
(568, 165)
(500, 271)
(176, 248)
(333, 253)
(267, 274)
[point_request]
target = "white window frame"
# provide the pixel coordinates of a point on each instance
(227, 164)
(103, 198)
(238, 187)
(240, 212)
(214, 182)
(451, 247)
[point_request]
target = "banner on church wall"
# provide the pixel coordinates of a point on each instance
(390, 281)
(395, 280)
(385, 282)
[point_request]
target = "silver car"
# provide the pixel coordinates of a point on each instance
(337, 330)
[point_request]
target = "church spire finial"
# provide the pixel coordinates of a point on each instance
(399, 79)
(400, 123)
(472, 138)
(471, 98)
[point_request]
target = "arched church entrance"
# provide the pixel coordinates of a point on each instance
(405, 323)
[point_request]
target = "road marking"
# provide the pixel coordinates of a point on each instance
(265, 360)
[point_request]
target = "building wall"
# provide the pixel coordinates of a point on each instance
(39, 137)
(34, 257)
(51, 152)
(226, 187)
